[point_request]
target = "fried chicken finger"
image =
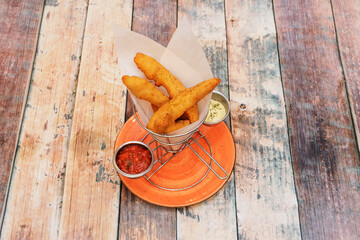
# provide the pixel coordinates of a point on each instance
(143, 89)
(153, 70)
(166, 115)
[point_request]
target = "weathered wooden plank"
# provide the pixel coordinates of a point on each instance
(215, 218)
(35, 196)
(142, 220)
(155, 19)
(19, 21)
(325, 156)
(265, 194)
(91, 193)
(346, 16)
(138, 219)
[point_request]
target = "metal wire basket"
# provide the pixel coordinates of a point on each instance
(172, 143)
(169, 146)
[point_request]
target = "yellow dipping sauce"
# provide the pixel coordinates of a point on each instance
(216, 111)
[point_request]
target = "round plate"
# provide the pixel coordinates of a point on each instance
(184, 169)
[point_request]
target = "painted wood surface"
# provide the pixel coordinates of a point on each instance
(139, 219)
(34, 203)
(19, 21)
(325, 155)
(197, 222)
(265, 196)
(346, 18)
(91, 192)
(63, 184)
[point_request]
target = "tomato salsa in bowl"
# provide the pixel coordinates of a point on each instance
(133, 159)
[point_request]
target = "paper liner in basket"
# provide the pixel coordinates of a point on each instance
(183, 57)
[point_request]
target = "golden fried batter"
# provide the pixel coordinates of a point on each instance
(166, 115)
(143, 89)
(153, 70)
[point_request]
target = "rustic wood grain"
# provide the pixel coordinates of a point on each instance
(143, 220)
(155, 19)
(138, 219)
(346, 16)
(19, 21)
(91, 193)
(34, 203)
(325, 155)
(265, 194)
(198, 222)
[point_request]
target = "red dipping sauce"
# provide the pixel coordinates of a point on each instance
(133, 159)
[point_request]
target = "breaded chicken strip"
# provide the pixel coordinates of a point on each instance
(143, 89)
(166, 115)
(153, 70)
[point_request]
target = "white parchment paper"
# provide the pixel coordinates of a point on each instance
(183, 57)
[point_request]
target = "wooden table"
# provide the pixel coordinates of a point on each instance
(290, 68)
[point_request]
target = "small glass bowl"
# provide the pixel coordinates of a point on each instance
(128, 174)
(218, 96)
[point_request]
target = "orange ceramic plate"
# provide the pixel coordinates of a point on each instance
(183, 170)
